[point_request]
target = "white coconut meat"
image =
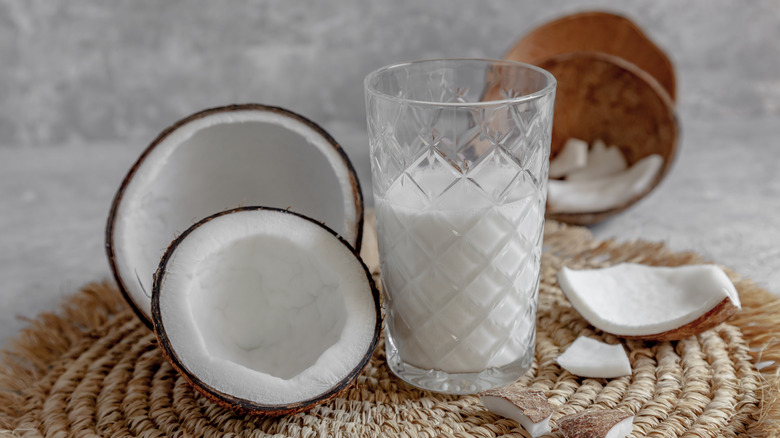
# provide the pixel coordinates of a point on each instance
(587, 357)
(631, 299)
(573, 156)
(603, 193)
(602, 161)
(225, 159)
(621, 429)
(265, 306)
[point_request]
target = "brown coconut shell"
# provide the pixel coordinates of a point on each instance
(718, 314)
(227, 400)
(595, 31)
(604, 97)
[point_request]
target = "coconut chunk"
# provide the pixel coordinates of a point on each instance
(574, 155)
(602, 161)
(599, 423)
(603, 193)
(597, 148)
(526, 406)
(647, 302)
(587, 357)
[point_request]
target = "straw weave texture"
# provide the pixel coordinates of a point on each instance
(93, 369)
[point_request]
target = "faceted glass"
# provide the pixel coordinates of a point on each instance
(459, 157)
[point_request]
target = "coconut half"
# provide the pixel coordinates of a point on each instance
(264, 310)
(219, 159)
(651, 302)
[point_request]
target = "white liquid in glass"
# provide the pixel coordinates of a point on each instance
(460, 273)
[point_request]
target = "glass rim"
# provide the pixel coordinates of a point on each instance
(546, 90)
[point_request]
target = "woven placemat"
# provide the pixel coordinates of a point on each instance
(94, 369)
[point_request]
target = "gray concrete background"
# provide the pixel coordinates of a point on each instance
(85, 85)
(83, 71)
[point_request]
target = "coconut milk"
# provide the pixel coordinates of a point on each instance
(461, 272)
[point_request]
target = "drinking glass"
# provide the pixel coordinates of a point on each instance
(459, 157)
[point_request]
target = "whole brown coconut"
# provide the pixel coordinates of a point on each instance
(595, 31)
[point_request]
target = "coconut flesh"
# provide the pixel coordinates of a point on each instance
(601, 161)
(265, 309)
(573, 156)
(651, 302)
(220, 159)
(597, 179)
(587, 357)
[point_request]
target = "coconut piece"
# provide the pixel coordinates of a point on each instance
(647, 302)
(574, 155)
(528, 407)
(603, 193)
(219, 159)
(602, 161)
(264, 310)
(587, 357)
(597, 149)
(597, 423)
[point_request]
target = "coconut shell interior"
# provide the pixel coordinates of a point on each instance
(232, 401)
(595, 31)
(600, 96)
(220, 158)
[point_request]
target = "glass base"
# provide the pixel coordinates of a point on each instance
(456, 383)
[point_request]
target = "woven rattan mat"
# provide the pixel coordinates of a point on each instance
(93, 369)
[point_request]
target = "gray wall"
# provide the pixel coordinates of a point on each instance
(86, 71)
(86, 84)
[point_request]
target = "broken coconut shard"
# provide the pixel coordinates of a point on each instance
(587, 357)
(650, 302)
(265, 311)
(573, 156)
(598, 423)
(602, 161)
(528, 407)
(218, 159)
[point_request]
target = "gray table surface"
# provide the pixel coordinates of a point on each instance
(85, 85)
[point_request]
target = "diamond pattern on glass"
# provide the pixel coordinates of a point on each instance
(459, 195)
